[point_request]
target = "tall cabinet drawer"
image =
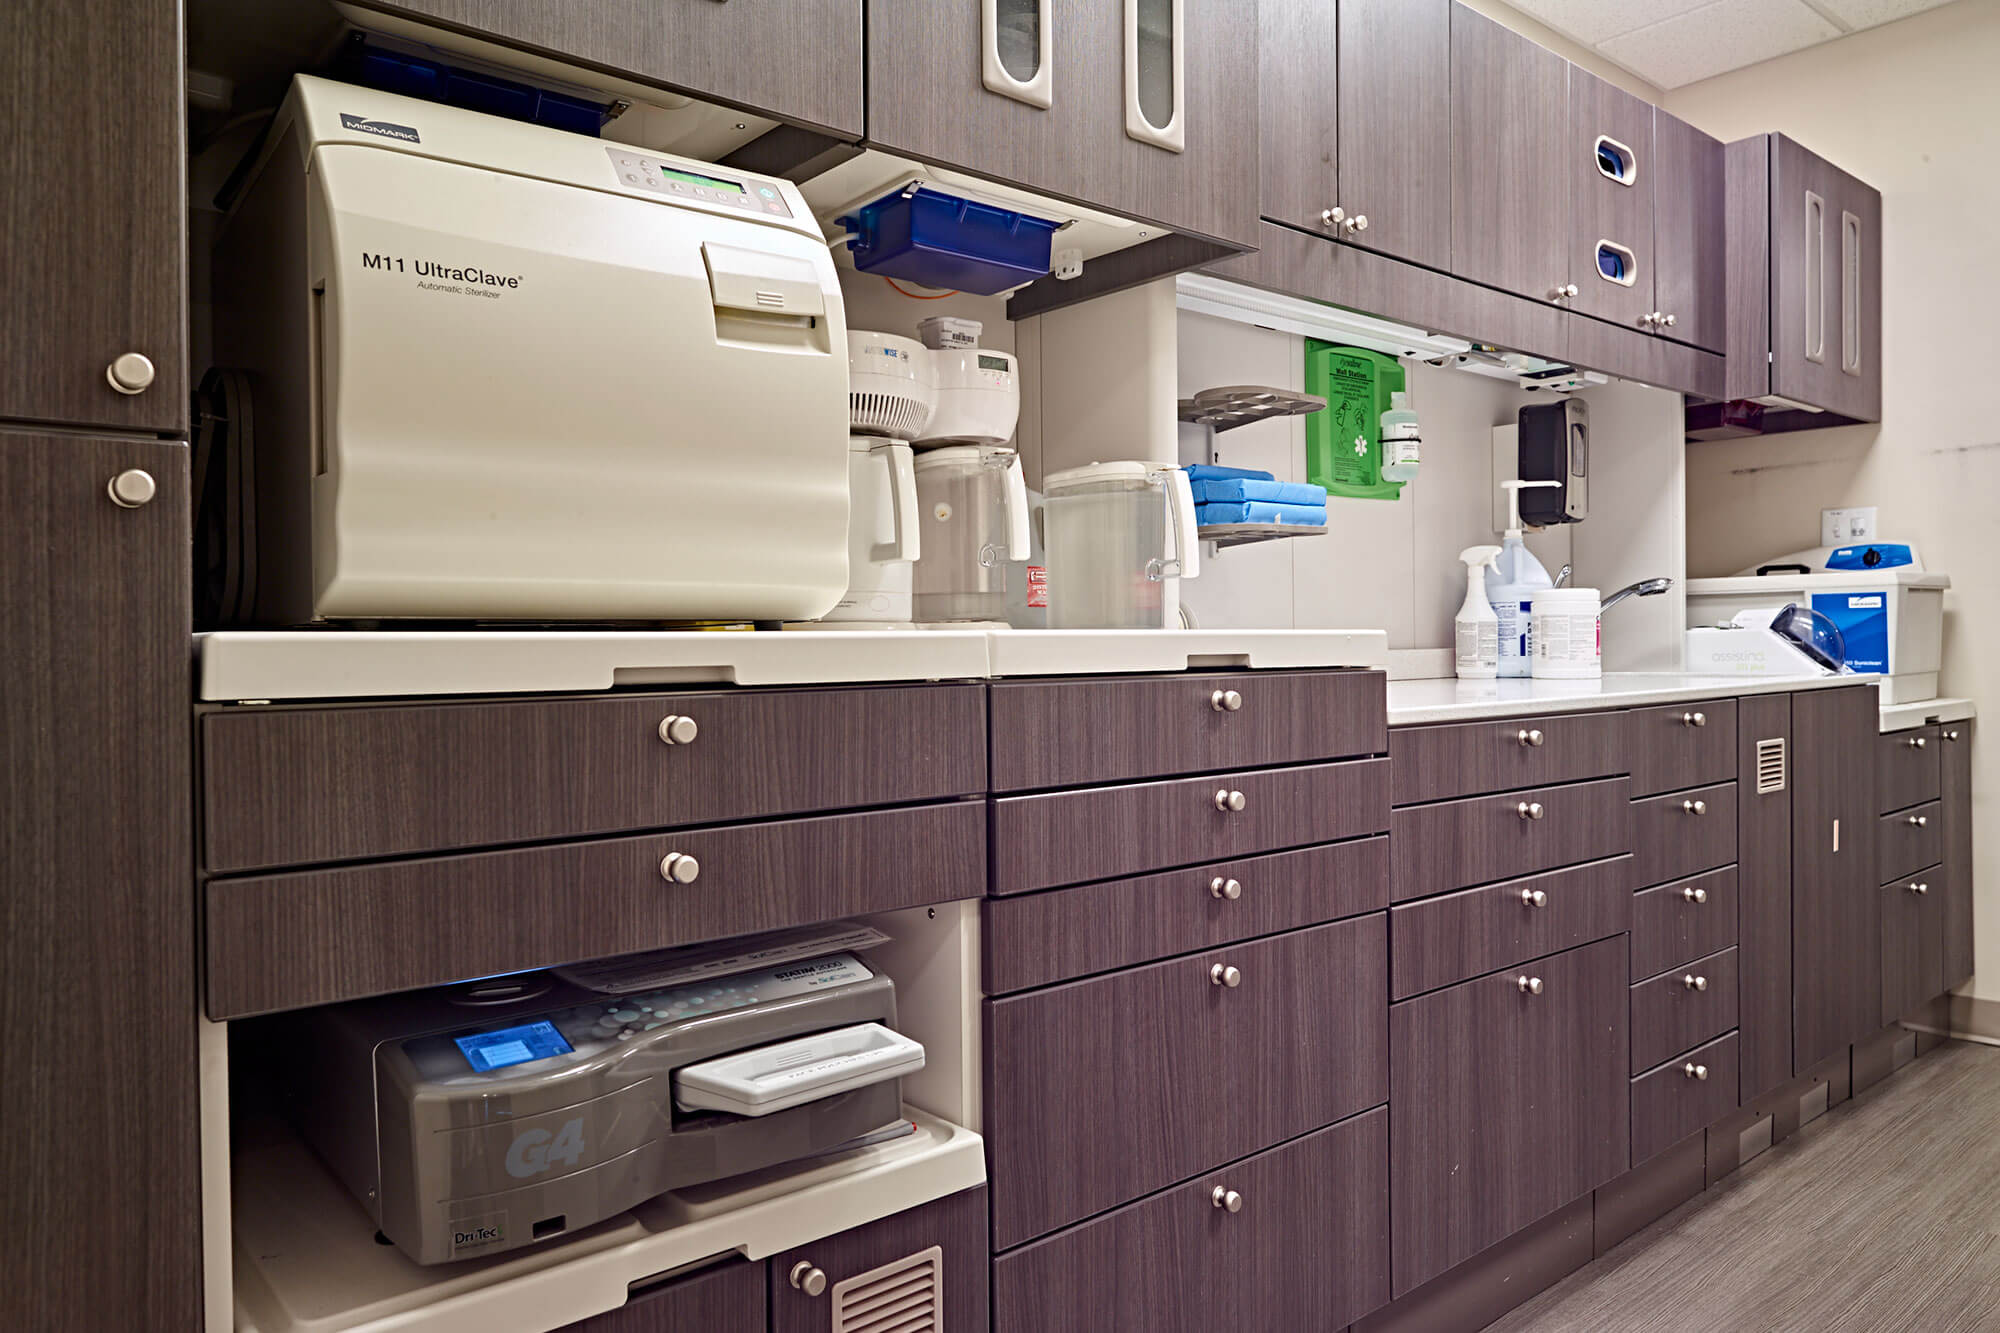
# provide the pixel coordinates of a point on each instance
(1681, 746)
(1065, 733)
(1070, 837)
(300, 786)
(1470, 758)
(1306, 1247)
(1100, 1091)
(1907, 772)
(1454, 844)
(1685, 833)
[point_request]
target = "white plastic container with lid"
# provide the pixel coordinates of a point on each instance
(1568, 644)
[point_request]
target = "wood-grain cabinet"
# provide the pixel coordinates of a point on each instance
(1836, 916)
(1145, 108)
(1925, 793)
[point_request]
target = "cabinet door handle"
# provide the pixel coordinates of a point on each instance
(1692, 1070)
(1695, 807)
(1011, 78)
(1920, 888)
(1534, 898)
(1563, 292)
(1951, 735)
(1693, 982)
(1531, 739)
(1669, 320)
(1219, 975)
(1850, 293)
(1694, 719)
(678, 730)
(1530, 810)
(1915, 742)
(130, 373)
(1333, 217)
(1529, 985)
(1225, 701)
(1695, 895)
(1815, 278)
(1229, 801)
(133, 488)
(1146, 119)
(1225, 888)
(1226, 1199)
(1918, 821)
(1357, 223)
(679, 868)
(810, 1280)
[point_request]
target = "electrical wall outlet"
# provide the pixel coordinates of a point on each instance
(1838, 527)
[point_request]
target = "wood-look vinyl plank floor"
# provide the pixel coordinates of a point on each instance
(1882, 1215)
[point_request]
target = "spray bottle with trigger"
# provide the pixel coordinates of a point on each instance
(1513, 582)
(1477, 629)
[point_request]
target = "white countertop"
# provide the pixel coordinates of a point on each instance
(1901, 717)
(268, 665)
(1417, 701)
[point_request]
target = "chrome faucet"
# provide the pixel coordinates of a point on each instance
(1562, 579)
(1643, 588)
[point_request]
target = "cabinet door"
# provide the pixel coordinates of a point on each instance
(1913, 911)
(1857, 264)
(1767, 775)
(1608, 158)
(797, 61)
(1509, 190)
(1836, 963)
(1957, 909)
(94, 235)
(928, 98)
(1298, 110)
(1690, 247)
(99, 914)
(1826, 277)
(1509, 1104)
(728, 1298)
(829, 1283)
(1395, 127)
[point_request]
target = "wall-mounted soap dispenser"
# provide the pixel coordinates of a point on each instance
(1555, 446)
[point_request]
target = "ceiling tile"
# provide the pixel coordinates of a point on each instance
(1716, 38)
(1860, 14)
(1592, 21)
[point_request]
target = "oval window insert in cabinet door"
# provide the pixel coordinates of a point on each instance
(1155, 73)
(1015, 41)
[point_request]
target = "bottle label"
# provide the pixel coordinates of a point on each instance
(1038, 585)
(1478, 644)
(1401, 451)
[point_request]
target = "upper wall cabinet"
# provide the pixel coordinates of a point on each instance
(1807, 237)
(93, 306)
(1355, 122)
(1509, 183)
(1690, 235)
(1143, 107)
(1610, 165)
(796, 60)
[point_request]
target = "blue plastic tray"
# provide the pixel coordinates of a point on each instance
(941, 240)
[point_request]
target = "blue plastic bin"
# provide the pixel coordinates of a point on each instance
(940, 240)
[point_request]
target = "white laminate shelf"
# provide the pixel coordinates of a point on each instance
(306, 1259)
(1901, 717)
(1415, 702)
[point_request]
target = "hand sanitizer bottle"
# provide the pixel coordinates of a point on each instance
(1478, 629)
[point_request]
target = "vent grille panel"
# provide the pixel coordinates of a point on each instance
(1770, 766)
(906, 1296)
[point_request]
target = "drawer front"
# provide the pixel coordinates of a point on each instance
(1677, 923)
(728, 1298)
(1100, 1091)
(1307, 1248)
(1681, 1009)
(1913, 942)
(1910, 841)
(313, 937)
(298, 786)
(1436, 848)
(1466, 759)
(1448, 939)
(1072, 837)
(1039, 938)
(1684, 834)
(1681, 745)
(1670, 1102)
(1064, 733)
(1906, 770)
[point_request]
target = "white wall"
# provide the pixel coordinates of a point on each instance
(1912, 108)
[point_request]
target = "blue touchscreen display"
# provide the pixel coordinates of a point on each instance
(512, 1046)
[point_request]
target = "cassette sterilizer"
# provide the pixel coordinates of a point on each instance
(481, 1118)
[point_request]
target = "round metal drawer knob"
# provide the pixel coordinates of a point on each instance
(678, 730)
(1534, 898)
(1224, 976)
(810, 1280)
(1920, 888)
(1530, 810)
(1915, 742)
(1225, 701)
(1225, 888)
(1530, 738)
(1693, 982)
(1694, 719)
(1227, 801)
(1332, 217)
(1918, 821)
(679, 868)
(1951, 735)
(1226, 1199)
(132, 488)
(1695, 895)
(1695, 1071)
(1695, 807)
(131, 373)
(1529, 985)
